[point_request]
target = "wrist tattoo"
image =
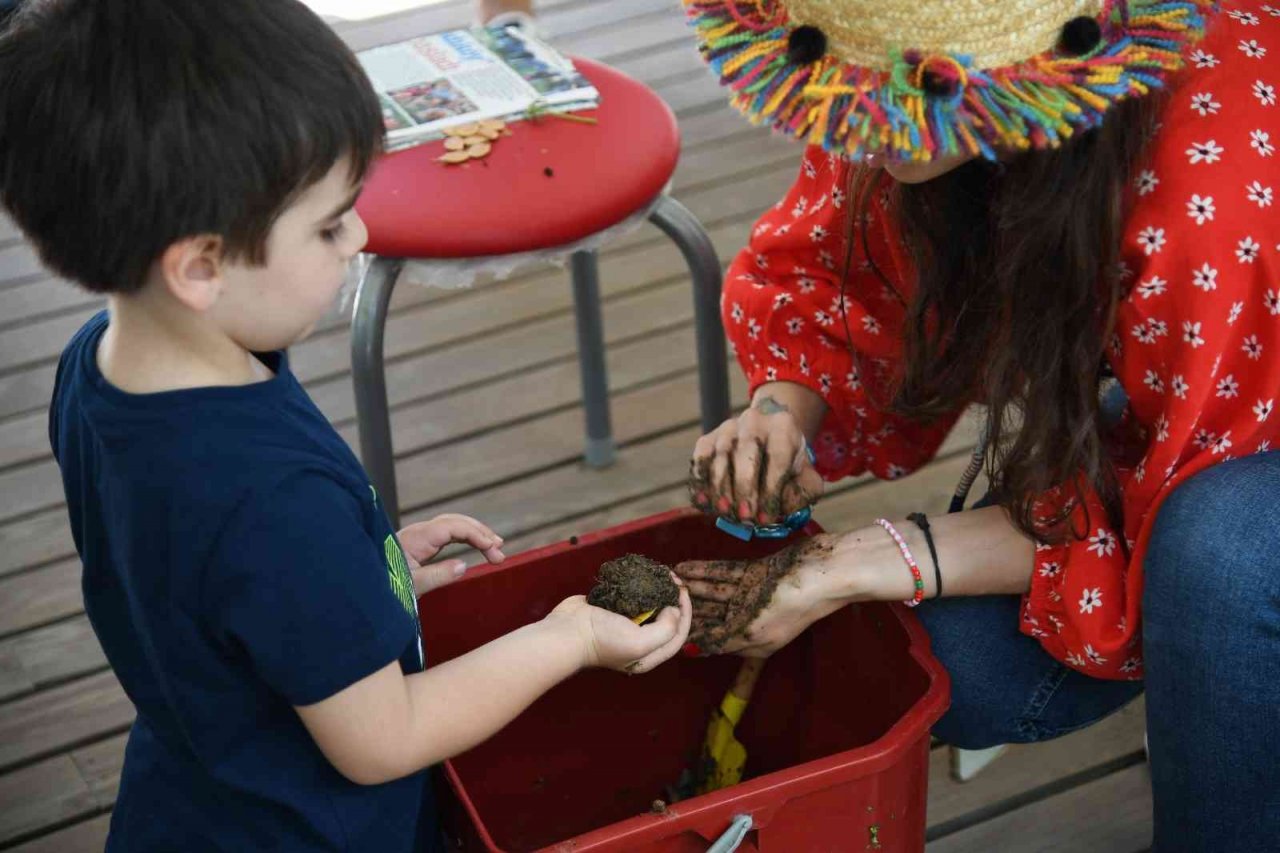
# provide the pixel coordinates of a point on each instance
(768, 406)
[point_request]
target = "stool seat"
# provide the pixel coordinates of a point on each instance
(551, 183)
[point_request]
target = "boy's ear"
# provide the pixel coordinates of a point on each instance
(192, 268)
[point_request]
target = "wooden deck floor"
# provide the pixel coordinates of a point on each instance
(485, 389)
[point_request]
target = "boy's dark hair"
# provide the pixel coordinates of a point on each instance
(126, 125)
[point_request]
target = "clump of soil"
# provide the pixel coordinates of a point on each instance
(632, 585)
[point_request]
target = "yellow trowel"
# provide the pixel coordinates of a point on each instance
(723, 756)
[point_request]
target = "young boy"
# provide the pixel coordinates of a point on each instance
(198, 162)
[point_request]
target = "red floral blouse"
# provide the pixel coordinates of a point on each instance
(1196, 345)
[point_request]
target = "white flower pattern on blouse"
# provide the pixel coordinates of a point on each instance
(1196, 334)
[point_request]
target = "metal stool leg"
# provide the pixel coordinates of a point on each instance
(685, 231)
(600, 451)
(368, 321)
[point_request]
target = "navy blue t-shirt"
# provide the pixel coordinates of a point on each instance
(236, 563)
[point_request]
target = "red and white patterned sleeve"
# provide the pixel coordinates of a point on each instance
(1196, 338)
(784, 316)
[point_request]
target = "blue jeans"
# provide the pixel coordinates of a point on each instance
(1211, 636)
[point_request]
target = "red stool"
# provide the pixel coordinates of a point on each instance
(552, 183)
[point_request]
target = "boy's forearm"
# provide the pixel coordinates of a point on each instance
(390, 725)
(460, 703)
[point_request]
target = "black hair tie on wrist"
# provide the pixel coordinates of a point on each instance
(922, 521)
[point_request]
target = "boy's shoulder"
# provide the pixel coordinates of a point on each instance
(204, 448)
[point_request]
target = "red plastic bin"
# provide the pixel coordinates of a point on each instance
(837, 734)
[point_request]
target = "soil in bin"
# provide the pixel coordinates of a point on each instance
(632, 585)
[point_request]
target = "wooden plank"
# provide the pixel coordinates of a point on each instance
(642, 34)
(848, 504)
(87, 837)
(516, 508)
(666, 498)
(645, 468)
(33, 343)
(39, 596)
(494, 309)
(35, 540)
(35, 659)
(428, 18)
(44, 794)
(419, 426)
(24, 439)
(1026, 767)
(53, 720)
(18, 262)
(61, 789)
(928, 490)
(706, 128)
(696, 91)
(100, 765)
(30, 488)
(515, 451)
(538, 343)
(664, 63)
(561, 21)
(561, 24)
(731, 155)
(1109, 815)
(26, 390)
(8, 229)
(25, 302)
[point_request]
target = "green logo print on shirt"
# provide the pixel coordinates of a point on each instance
(398, 574)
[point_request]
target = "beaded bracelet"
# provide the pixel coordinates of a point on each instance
(911, 561)
(922, 521)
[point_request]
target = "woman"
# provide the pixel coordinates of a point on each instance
(1022, 206)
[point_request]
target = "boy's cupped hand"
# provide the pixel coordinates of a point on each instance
(616, 642)
(423, 541)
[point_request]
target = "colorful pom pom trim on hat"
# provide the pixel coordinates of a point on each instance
(936, 105)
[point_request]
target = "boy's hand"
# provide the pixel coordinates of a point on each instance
(615, 642)
(424, 540)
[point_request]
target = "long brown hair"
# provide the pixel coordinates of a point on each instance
(1017, 284)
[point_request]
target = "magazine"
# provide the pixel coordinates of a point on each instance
(429, 84)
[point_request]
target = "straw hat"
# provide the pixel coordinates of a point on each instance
(919, 79)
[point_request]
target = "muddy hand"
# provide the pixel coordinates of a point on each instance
(755, 607)
(616, 642)
(754, 468)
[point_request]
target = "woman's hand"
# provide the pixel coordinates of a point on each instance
(754, 468)
(756, 607)
(422, 541)
(615, 642)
